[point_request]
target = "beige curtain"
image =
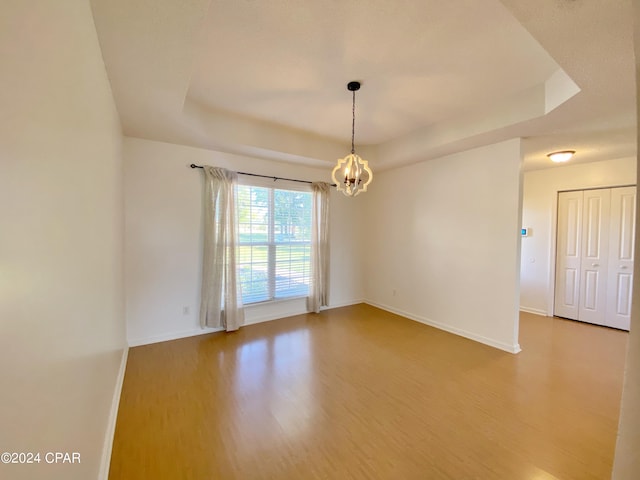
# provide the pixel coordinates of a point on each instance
(319, 289)
(221, 299)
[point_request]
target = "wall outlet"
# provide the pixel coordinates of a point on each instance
(186, 310)
(393, 292)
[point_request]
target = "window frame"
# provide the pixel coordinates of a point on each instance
(271, 243)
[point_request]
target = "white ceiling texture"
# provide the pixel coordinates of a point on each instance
(268, 78)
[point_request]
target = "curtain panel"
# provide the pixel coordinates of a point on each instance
(319, 288)
(221, 299)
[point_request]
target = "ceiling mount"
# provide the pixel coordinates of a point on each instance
(353, 86)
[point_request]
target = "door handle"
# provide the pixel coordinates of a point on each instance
(623, 266)
(595, 264)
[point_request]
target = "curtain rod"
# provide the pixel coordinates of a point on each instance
(193, 165)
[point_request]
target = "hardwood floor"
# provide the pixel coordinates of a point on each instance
(359, 393)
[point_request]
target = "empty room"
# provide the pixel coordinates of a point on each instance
(319, 240)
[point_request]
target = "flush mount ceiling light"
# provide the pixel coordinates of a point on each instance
(352, 174)
(562, 156)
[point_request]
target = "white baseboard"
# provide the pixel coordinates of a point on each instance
(343, 304)
(105, 462)
(447, 328)
(535, 311)
(165, 337)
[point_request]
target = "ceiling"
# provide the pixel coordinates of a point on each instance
(268, 79)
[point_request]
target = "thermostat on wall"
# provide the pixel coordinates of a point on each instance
(525, 232)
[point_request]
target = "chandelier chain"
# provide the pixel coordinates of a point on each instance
(353, 122)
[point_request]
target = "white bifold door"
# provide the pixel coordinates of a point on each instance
(594, 261)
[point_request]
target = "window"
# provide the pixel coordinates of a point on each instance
(274, 256)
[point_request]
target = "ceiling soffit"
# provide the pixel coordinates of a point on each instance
(268, 79)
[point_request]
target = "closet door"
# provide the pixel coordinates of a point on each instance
(595, 251)
(621, 257)
(567, 295)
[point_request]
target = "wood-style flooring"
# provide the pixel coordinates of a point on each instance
(359, 393)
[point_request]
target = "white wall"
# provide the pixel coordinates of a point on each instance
(626, 465)
(443, 243)
(62, 328)
(163, 240)
(539, 211)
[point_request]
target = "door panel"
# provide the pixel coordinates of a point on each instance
(621, 257)
(568, 254)
(623, 296)
(570, 286)
(590, 301)
(595, 251)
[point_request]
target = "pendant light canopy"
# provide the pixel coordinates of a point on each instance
(352, 174)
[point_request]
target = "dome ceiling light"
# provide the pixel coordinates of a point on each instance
(561, 156)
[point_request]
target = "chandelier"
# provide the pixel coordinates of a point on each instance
(352, 174)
